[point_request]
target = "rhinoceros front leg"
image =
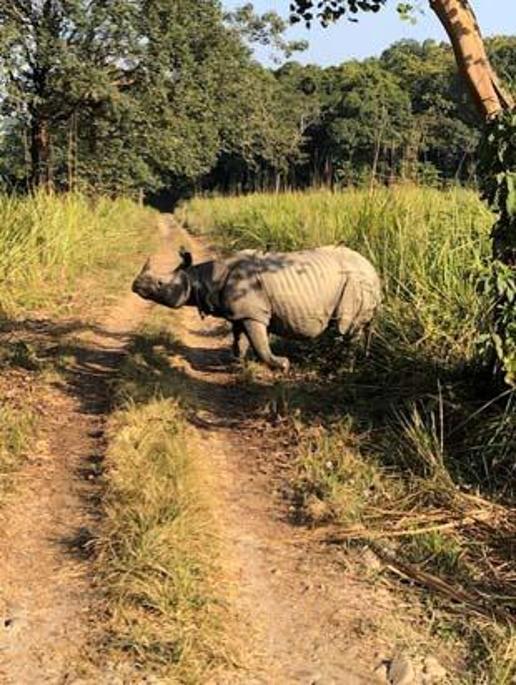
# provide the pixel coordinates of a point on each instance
(240, 341)
(259, 339)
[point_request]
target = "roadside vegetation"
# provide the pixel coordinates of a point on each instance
(413, 452)
(17, 429)
(50, 245)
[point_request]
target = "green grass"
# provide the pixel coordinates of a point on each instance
(428, 245)
(158, 552)
(53, 247)
(60, 256)
(415, 437)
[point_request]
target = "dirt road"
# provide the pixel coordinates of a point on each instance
(307, 621)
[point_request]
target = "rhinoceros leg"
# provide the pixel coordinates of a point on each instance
(240, 341)
(259, 339)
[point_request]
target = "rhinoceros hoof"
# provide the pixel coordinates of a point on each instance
(282, 363)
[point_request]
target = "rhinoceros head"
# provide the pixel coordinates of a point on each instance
(170, 291)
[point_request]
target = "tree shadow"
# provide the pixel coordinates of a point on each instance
(331, 382)
(84, 368)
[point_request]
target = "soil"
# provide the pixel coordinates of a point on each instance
(309, 616)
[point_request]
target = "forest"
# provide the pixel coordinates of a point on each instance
(146, 98)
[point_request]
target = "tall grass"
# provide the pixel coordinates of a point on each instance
(49, 242)
(431, 248)
(419, 443)
(428, 245)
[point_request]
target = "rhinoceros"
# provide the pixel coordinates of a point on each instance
(290, 294)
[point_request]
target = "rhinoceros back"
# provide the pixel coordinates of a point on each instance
(303, 290)
(298, 293)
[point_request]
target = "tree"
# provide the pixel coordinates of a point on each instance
(260, 138)
(56, 57)
(444, 125)
(121, 96)
(496, 107)
(459, 22)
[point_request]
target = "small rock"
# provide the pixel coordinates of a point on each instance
(381, 671)
(401, 671)
(433, 672)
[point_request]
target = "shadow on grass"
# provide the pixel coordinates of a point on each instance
(458, 407)
(459, 415)
(473, 421)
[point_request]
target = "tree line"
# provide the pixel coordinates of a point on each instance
(146, 96)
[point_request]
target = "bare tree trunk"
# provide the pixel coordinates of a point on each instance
(377, 148)
(27, 159)
(461, 25)
(40, 152)
(72, 153)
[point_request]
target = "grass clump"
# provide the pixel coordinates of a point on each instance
(17, 429)
(158, 555)
(50, 243)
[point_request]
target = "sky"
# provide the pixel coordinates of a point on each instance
(347, 40)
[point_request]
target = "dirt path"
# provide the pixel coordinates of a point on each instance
(46, 596)
(307, 622)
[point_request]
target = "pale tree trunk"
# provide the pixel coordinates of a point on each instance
(460, 23)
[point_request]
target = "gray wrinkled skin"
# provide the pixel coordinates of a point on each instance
(291, 294)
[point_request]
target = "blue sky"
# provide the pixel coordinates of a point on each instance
(373, 34)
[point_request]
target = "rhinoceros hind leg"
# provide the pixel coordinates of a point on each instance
(240, 341)
(257, 334)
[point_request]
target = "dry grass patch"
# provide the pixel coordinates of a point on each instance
(158, 552)
(453, 547)
(18, 426)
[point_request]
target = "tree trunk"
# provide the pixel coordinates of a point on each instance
(40, 152)
(498, 171)
(460, 24)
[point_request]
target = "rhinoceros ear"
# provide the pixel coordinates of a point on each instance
(186, 258)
